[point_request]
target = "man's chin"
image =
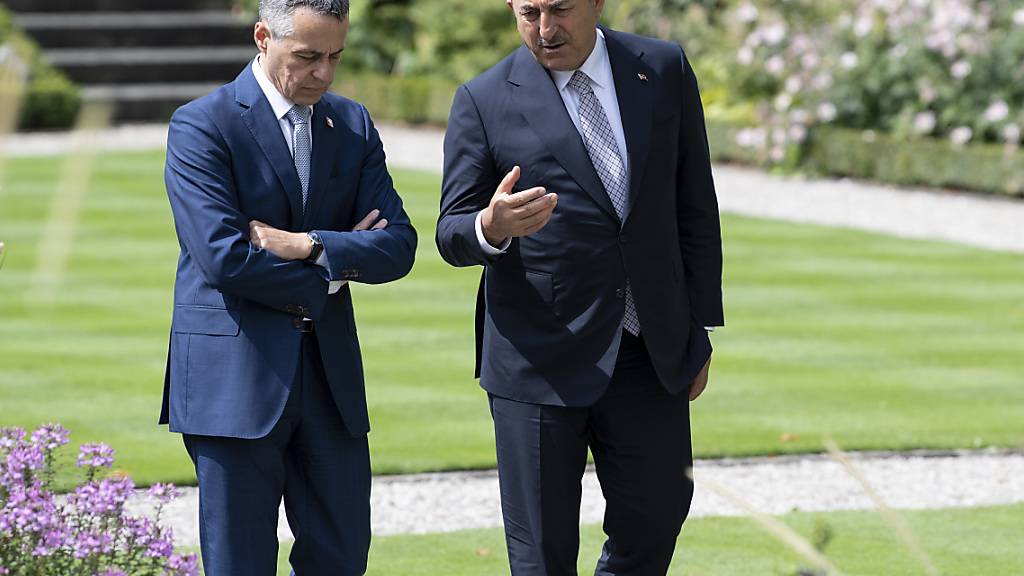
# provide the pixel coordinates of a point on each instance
(308, 97)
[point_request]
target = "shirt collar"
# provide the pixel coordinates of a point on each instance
(278, 102)
(595, 66)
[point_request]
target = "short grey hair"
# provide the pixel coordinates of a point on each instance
(278, 13)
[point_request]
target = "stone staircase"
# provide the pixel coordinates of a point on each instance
(147, 57)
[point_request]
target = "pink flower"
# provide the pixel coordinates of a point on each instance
(961, 135)
(95, 456)
(924, 122)
(997, 111)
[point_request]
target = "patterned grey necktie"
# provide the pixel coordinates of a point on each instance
(301, 146)
(606, 157)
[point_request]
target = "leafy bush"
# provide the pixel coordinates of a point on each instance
(906, 67)
(411, 99)
(86, 533)
(50, 99)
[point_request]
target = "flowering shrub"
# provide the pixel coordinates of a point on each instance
(86, 533)
(914, 68)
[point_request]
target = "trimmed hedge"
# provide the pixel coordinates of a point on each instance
(50, 99)
(986, 168)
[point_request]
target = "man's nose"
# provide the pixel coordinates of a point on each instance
(324, 70)
(548, 27)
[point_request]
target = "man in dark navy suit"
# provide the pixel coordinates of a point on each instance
(280, 197)
(577, 173)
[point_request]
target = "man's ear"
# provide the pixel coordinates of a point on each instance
(261, 35)
(509, 2)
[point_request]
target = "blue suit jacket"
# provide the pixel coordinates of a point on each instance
(550, 309)
(234, 349)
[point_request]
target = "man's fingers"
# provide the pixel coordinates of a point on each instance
(533, 223)
(524, 197)
(508, 181)
(383, 223)
(546, 202)
(368, 221)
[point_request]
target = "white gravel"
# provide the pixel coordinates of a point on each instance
(429, 503)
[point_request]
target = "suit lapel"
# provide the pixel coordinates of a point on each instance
(266, 130)
(545, 112)
(636, 102)
(325, 147)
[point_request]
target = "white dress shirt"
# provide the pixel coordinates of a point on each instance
(599, 69)
(281, 105)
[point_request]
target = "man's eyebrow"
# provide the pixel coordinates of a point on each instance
(311, 51)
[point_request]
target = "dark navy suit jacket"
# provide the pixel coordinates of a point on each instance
(550, 309)
(234, 348)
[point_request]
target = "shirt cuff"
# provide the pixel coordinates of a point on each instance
(334, 285)
(710, 329)
(484, 244)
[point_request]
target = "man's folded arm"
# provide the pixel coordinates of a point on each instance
(470, 179)
(380, 255)
(216, 234)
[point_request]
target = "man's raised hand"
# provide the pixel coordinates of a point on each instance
(514, 214)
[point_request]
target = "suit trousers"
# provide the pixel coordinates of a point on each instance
(639, 435)
(309, 459)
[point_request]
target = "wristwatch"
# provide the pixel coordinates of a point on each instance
(318, 247)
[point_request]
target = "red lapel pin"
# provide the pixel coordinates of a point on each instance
(642, 77)
(330, 123)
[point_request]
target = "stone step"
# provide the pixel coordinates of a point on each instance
(198, 64)
(122, 29)
(146, 102)
(115, 5)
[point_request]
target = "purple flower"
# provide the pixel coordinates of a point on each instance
(163, 493)
(103, 498)
(183, 565)
(50, 436)
(160, 548)
(88, 543)
(95, 456)
(9, 437)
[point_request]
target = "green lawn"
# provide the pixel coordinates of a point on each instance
(882, 343)
(964, 542)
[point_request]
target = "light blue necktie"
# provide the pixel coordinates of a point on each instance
(301, 147)
(606, 157)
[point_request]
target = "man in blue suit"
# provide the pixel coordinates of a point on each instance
(577, 173)
(280, 197)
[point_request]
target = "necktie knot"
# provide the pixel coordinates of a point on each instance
(298, 115)
(580, 82)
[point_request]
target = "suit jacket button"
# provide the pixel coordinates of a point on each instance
(620, 293)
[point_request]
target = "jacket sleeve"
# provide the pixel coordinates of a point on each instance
(373, 256)
(469, 182)
(700, 235)
(210, 227)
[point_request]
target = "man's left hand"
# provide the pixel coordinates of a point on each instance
(700, 382)
(284, 245)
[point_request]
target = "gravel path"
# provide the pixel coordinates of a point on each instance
(427, 503)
